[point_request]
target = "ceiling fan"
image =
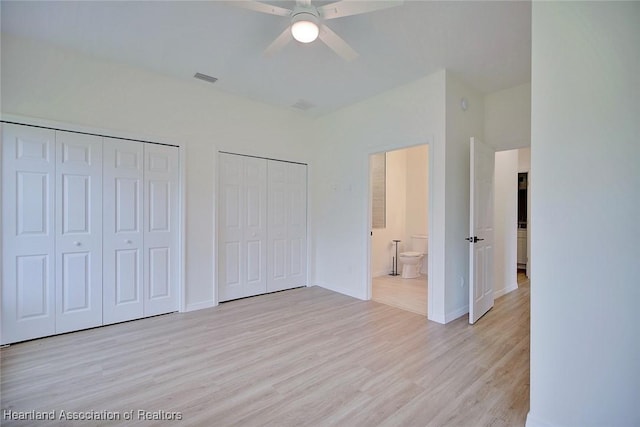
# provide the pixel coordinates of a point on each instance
(307, 21)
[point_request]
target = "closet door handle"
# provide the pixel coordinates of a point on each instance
(128, 242)
(77, 243)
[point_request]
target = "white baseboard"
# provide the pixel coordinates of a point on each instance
(454, 314)
(532, 421)
(200, 305)
(436, 317)
(343, 291)
(504, 291)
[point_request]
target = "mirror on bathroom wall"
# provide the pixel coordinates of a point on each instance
(378, 178)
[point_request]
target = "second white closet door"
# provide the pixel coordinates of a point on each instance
(123, 230)
(243, 227)
(78, 231)
(287, 237)
(161, 177)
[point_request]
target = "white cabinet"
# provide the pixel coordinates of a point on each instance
(90, 231)
(261, 226)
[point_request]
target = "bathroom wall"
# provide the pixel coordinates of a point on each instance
(417, 191)
(396, 186)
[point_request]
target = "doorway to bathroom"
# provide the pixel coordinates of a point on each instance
(399, 194)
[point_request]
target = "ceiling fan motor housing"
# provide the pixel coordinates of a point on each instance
(305, 24)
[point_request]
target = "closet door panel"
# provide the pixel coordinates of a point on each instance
(230, 228)
(254, 226)
(278, 245)
(297, 227)
(160, 261)
(123, 231)
(28, 279)
(242, 227)
(286, 267)
(78, 231)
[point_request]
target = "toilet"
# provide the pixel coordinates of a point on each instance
(411, 261)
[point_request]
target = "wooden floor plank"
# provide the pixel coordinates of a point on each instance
(407, 294)
(307, 356)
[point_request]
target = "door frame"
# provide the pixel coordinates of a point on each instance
(109, 133)
(367, 232)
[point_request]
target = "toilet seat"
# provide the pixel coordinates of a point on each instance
(410, 254)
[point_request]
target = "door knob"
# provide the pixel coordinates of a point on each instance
(473, 239)
(128, 242)
(77, 243)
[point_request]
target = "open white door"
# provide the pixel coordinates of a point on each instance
(481, 230)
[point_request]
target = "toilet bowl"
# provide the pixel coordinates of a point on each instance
(412, 261)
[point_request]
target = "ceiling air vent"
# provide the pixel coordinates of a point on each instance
(205, 77)
(303, 105)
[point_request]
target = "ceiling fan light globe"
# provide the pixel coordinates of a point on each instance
(305, 31)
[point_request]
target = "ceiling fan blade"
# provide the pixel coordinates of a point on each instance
(350, 7)
(257, 6)
(280, 42)
(337, 44)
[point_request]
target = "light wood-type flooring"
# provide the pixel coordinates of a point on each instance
(407, 294)
(307, 356)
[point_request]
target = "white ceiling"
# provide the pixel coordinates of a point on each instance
(486, 44)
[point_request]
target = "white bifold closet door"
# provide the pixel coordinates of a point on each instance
(89, 231)
(78, 231)
(123, 230)
(160, 257)
(287, 236)
(261, 226)
(28, 205)
(242, 227)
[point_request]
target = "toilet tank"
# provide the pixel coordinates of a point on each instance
(420, 243)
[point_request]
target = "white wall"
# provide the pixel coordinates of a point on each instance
(55, 84)
(45, 82)
(409, 115)
(460, 127)
(508, 117)
(417, 212)
(524, 159)
(505, 222)
(382, 248)
(585, 157)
